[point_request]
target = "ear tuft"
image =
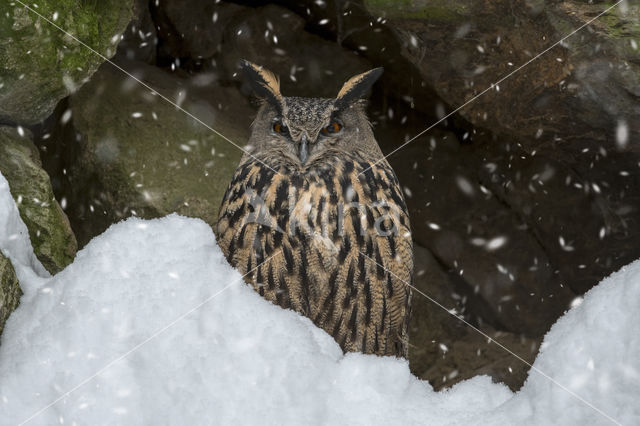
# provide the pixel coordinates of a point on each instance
(265, 84)
(356, 87)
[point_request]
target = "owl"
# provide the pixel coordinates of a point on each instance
(315, 219)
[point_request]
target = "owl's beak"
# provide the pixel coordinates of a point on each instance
(303, 154)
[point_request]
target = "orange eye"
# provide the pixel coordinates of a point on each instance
(278, 127)
(332, 128)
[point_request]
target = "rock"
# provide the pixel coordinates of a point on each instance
(430, 324)
(192, 30)
(53, 241)
(140, 41)
(503, 272)
(584, 216)
(443, 349)
(276, 38)
(215, 37)
(350, 25)
(135, 153)
(10, 291)
(474, 354)
(40, 64)
(577, 94)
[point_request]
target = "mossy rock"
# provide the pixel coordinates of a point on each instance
(573, 96)
(49, 230)
(428, 10)
(137, 154)
(41, 64)
(10, 291)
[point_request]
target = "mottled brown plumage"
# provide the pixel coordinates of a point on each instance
(318, 226)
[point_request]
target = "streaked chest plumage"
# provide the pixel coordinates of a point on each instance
(329, 242)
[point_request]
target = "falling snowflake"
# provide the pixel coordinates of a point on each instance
(622, 134)
(496, 243)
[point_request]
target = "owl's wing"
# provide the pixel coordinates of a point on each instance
(378, 260)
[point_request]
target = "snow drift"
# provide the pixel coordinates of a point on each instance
(150, 325)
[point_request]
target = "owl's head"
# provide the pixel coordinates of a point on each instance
(303, 129)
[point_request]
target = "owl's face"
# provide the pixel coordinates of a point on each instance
(303, 130)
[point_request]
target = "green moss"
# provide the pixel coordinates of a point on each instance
(41, 64)
(625, 26)
(10, 291)
(614, 28)
(428, 10)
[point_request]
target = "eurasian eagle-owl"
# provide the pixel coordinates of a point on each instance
(317, 221)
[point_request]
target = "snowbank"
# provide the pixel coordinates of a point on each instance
(175, 337)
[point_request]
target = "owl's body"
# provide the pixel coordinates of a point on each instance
(318, 226)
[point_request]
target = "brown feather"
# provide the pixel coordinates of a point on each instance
(270, 81)
(357, 86)
(331, 278)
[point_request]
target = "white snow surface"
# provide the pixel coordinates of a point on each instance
(150, 325)
(14, 236)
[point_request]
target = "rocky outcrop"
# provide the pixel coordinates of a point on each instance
(491, 253)
(53, 241)
(10, 291)
(307, 64)
(191, 36)
(443, 349)
(139, 41)
(40, 64)
(135, 153)
(576, 95)
(583, 213)
(271, 36)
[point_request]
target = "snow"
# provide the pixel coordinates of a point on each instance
(622, 134)
(14, 236)
(150, 325)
